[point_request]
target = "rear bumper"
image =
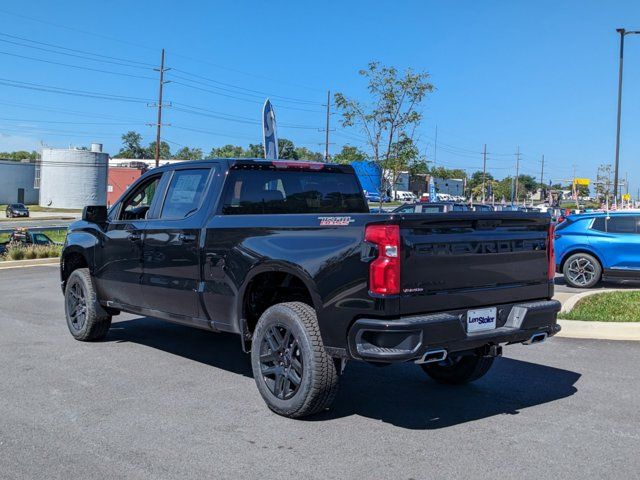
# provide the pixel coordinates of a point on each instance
(409, 338)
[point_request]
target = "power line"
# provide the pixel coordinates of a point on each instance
(64, 122)
(256, 101)
(146, 47)
(259, 93)
(32, 106)
(99, 70)
(101, 58)
(66, 91)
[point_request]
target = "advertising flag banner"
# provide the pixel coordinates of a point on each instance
(270, 138)
(432, 190)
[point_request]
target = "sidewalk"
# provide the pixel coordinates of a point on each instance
(595, 330)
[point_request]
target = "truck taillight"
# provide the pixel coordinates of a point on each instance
(384, 271)
(551, 252)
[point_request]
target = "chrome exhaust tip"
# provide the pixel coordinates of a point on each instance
(536, 338)
(432, 356)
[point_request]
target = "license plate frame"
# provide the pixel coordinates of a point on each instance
(481, 319)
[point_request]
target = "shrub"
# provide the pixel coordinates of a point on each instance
(15, 252)
(28, 252)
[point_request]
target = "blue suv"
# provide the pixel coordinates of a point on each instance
(590, 246)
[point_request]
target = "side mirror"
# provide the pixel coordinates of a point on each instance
(95, 214)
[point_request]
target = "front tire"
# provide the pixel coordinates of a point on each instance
(86, 319)
(459, 370)
(292, 370)
(582, 270)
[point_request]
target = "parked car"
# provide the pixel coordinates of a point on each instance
(17, 210)
(29, 237)
(433, 207)
(374, 197)
(403, 196)
(287, 256)
(481, 207)
(590, 246)
(26, 237)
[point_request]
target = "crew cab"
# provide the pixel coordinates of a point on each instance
(287, 256)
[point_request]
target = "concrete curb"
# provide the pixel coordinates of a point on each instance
(569, 303)
(36, 262)
(629, 331)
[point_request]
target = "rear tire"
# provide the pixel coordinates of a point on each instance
(292, 370)
(86, 319)
(459, 370)
(582, 270)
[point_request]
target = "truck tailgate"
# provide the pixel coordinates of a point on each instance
(470, 259)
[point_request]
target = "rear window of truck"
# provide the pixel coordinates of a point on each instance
(250, 192)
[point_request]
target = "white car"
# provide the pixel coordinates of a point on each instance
(404, 196)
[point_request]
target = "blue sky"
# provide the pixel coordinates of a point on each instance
(538, 75)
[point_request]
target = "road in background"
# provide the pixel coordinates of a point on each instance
(562, 287)
(11, 224)
(157, 400)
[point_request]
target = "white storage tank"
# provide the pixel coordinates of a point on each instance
(73, 178)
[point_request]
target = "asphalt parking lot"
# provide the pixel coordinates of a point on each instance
(157, 400)
(562, 287)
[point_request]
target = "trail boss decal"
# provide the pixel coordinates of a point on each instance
(335, 221)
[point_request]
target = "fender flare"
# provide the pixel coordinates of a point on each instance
(273, 266)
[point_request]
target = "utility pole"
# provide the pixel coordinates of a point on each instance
(517, 172)
(542, 179)
(622, 33)
(575, 187)
(484, 169)
(326, 138)
(159, 125)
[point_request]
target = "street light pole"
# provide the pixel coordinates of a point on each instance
(622, 33)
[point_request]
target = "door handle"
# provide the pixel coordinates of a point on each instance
(186, 237)
(134, 237)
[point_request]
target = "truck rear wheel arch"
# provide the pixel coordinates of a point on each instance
(269, 288)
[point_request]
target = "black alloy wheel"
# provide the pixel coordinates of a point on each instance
(281, 362)
(77, 306)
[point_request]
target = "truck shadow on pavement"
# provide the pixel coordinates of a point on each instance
(401, 395)
(404, 396)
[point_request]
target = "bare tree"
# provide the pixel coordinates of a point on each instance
(390, 117)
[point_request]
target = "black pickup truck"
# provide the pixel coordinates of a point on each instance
(287, 255)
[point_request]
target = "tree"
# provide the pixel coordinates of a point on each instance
(255, 150)
(132, 147)
(228, 151)
(165, 150)
(348, 155)
(419, 166)
(446, 173)
(187, 153)
(404, 152)
(392, 113)
(286, 149)
(304, 153)
(19, 155)
(527, 185)
(604, 183)
(475, 183)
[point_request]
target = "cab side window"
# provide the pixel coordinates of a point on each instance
(185, 193)
(137, 204)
